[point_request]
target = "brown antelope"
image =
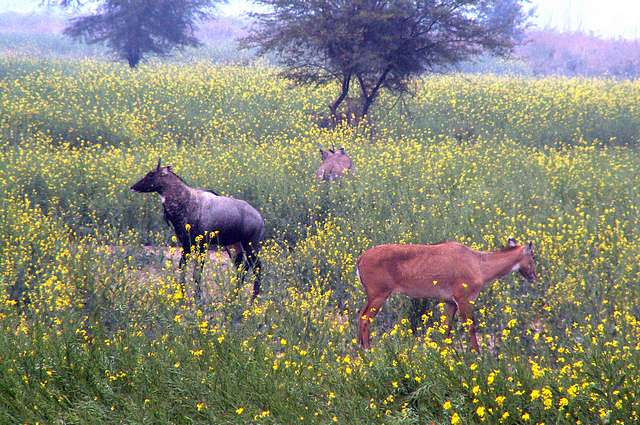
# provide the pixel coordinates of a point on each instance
(335, 164)
(447, 271)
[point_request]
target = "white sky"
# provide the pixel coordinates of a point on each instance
(608, 18)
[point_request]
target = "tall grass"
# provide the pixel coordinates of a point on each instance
(94, 329)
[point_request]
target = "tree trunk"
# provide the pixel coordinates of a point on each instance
(133, 61)
(366, 104)
(369, 96)
(344, 91)
(133, 57)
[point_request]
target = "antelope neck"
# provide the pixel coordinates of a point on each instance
(499, 263)
(174, 189)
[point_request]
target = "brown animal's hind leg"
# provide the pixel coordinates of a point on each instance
(466, 313)
(450, 312)
(368, 312)
(418, 309)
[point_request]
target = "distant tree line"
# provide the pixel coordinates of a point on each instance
(134, 28)
(366, 45)
(363, 47)
(378, 45)
(543, 52)
(578, 54)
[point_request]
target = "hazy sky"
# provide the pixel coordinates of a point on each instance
(610, 18)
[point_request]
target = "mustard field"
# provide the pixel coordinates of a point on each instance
(94, 327)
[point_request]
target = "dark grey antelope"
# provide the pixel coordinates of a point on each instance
(233, 221)
(335, 164)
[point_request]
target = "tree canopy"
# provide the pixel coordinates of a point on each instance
(381, 44)
(134, 28)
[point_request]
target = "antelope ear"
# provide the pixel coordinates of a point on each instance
(511, 243)
(342, 150)
(166, 170)
(528, 249)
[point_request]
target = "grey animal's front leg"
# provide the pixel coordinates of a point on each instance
(185, 241)
(183, 237)
(198, 271)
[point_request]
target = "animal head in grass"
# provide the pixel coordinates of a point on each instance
(155, 180)
(527, 264)
(335, 164)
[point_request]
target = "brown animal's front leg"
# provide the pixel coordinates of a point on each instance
(367, 314)
(450, 312)
(466, 312)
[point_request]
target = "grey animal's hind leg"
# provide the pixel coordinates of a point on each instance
(246, 260)
(238, 262)
(256, 265)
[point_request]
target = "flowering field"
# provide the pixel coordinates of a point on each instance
(94, 328)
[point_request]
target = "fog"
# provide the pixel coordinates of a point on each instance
(232, 8)
(569, 37)
(609, 19)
